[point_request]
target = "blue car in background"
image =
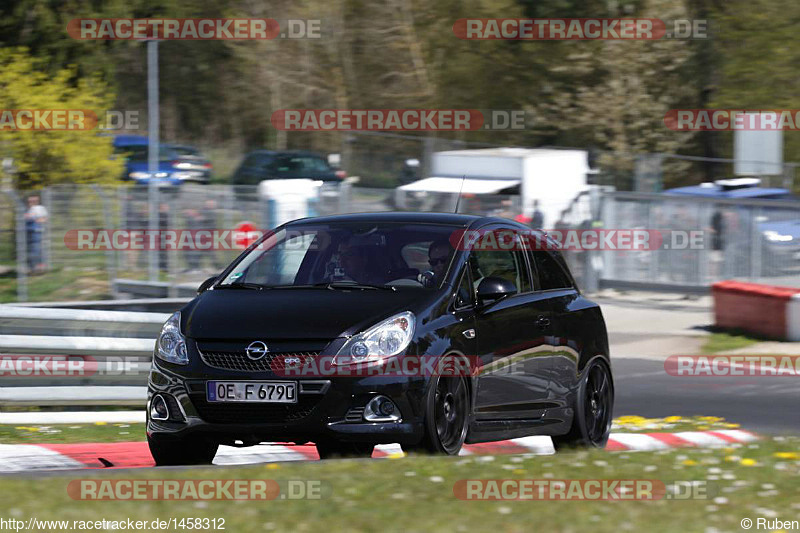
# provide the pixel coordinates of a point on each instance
(780, 231)
(177, 164)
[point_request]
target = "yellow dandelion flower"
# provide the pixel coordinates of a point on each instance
(273, 466)
(673, 419)
(786, 455)
(689, 462)
(747, 462)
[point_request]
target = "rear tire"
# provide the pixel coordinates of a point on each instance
(591, 423)
(331, 449)
(446, 417)
(175, 452)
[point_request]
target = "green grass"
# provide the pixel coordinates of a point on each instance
(59, 284)
(71, 433)
(416, 493)
(721, 342)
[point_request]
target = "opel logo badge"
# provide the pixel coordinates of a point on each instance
(256, 350)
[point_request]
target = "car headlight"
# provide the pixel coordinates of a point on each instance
(171, 345)
(774, 236)
(383, 340)
(139, 175)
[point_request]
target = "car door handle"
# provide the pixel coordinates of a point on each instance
(469, 333)
(542, 321)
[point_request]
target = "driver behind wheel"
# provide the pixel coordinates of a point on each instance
(438, 257)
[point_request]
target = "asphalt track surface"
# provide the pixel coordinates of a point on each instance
(764, 404)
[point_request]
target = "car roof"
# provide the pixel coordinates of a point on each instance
(718, 192)
(283, 152)
(450, 219)
(130, 140)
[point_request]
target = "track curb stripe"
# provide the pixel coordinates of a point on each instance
(27, 457)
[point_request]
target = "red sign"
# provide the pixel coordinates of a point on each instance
(245, 234)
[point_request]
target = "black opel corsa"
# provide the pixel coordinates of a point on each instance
(369, 292)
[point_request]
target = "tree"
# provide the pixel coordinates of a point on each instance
(45, 157)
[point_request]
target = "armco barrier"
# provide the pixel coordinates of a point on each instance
(765, 310)
(120, 342)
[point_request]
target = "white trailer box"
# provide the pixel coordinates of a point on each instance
(553, 177)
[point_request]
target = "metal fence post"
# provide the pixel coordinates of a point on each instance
(22, 248)
(47, 202)
(755, 243)
(110, 253)
(172, 258)
(610, 221)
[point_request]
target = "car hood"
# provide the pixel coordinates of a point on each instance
(292, 313)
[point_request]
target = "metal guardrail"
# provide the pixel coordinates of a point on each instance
(74, 395)
(118, 343)
(79, 322)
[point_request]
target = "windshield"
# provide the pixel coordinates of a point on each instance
(377, 255)
(289, 165)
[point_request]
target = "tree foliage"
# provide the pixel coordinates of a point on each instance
(611, 95)
(44, 157)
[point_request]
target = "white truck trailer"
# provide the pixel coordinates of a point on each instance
(553, 177)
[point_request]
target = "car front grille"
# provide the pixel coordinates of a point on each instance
(272, 362)
(253, 413)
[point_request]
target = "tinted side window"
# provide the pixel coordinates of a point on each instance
(551, 275)
(509, 265)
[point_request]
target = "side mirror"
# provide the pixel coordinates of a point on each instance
(493, 289)
(206, 284)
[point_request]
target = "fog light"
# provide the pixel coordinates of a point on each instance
(158, 408)
(381, 409)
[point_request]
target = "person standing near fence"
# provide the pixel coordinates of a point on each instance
(537, 220)
(35, 220)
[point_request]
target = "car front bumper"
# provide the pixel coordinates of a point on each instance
(326, 409)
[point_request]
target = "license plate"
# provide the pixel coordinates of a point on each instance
(252, 391)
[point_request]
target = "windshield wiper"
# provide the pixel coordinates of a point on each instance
(336, 285)
(243, 285)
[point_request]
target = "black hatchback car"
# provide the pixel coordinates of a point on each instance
(333, 330)
(293, 164)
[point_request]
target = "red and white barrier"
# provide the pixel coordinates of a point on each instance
(765, 310)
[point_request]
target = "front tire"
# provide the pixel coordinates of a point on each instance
(446, 417)
(175, 452)
(591, 422)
